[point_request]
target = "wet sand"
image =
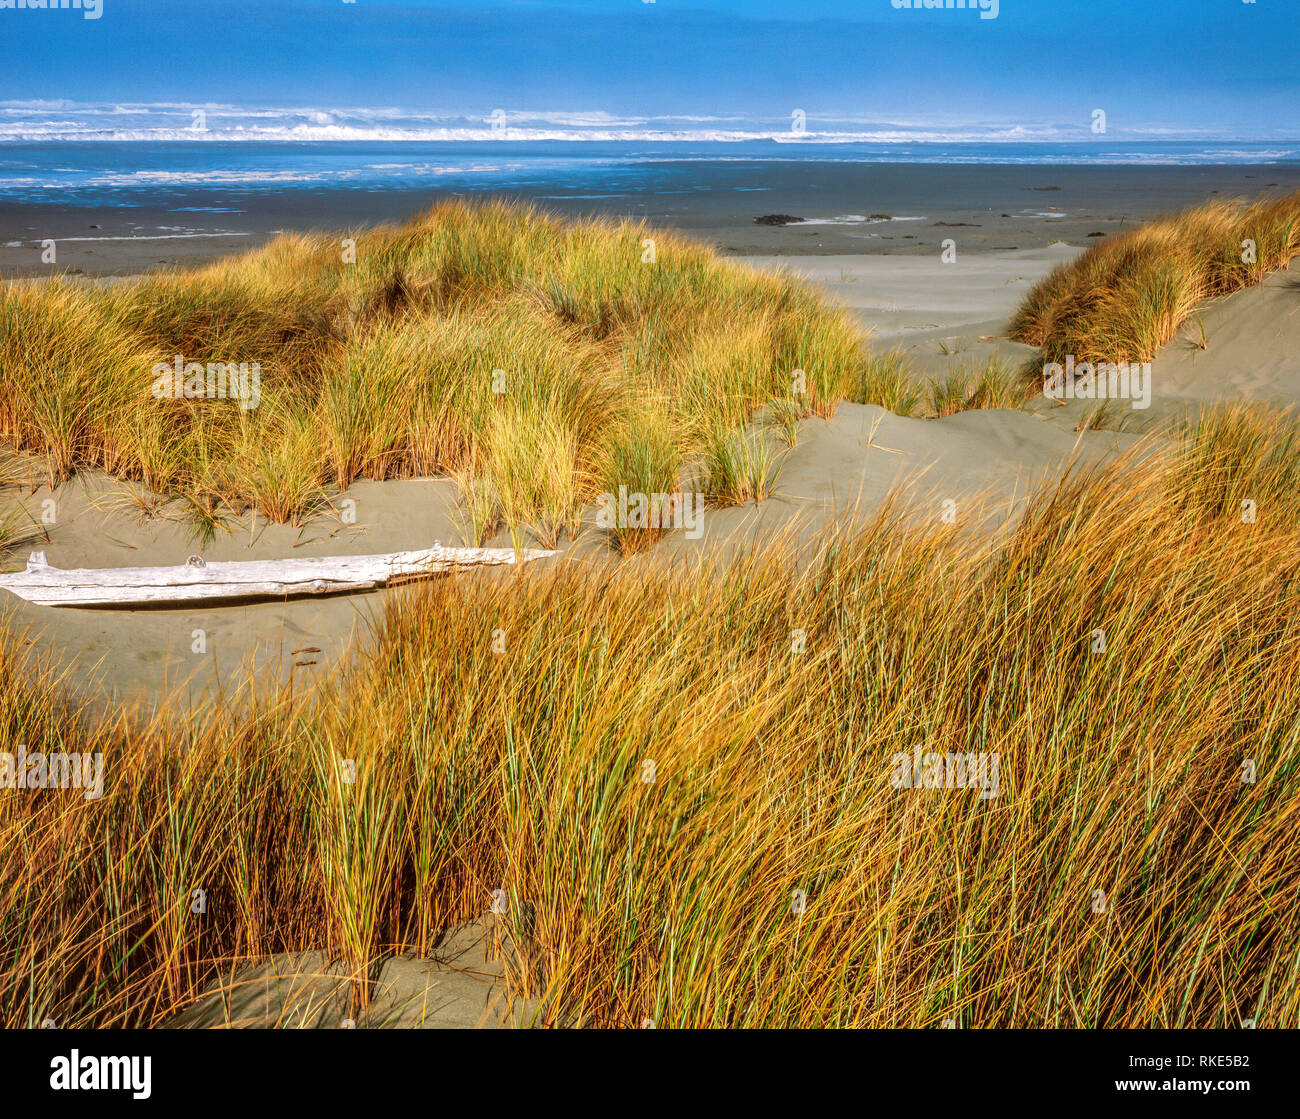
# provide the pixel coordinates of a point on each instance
(982, 208)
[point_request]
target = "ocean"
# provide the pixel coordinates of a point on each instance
(116, 173)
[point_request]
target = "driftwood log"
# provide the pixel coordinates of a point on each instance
(199, 581)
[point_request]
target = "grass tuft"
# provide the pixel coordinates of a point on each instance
(1127, 295)
(424, 352)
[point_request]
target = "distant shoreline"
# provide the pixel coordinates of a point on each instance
(981, 207)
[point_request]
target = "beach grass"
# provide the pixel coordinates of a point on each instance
(1129, 294)
(487, 342)
(993, 383)
(739, 467)
(680, 779)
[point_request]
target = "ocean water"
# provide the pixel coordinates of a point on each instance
(114, 172)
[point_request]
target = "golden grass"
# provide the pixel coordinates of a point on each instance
(993, 384)
(487, 342)
(1127, 295)
(1126, 874)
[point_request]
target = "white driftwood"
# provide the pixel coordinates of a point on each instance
(196, 580)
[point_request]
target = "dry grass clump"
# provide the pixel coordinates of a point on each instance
(1127, 295)
(681, 782)
(489, 342)
(1247, 453)
(993, 384)
(739, 467)
(11, 520)
(642, 459)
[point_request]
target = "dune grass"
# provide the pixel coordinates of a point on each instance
(993, 384)
(1128, 295)
(490, 343)
(739, 468)
(762, 870)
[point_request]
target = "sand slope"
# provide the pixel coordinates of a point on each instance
(1253, 346)
(459, 986)
(1252, 353)
(126, 655)
(986, 462)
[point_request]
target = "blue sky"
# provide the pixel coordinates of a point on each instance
(1204, 67)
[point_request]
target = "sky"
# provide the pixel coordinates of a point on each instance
(1214, 68)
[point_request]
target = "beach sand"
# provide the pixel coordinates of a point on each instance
(987, 462)
(459, 985)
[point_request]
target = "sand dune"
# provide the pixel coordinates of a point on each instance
(1251, 347)
(985, 462)
(123, 655)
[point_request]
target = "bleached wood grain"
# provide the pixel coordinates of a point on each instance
(197, 580)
